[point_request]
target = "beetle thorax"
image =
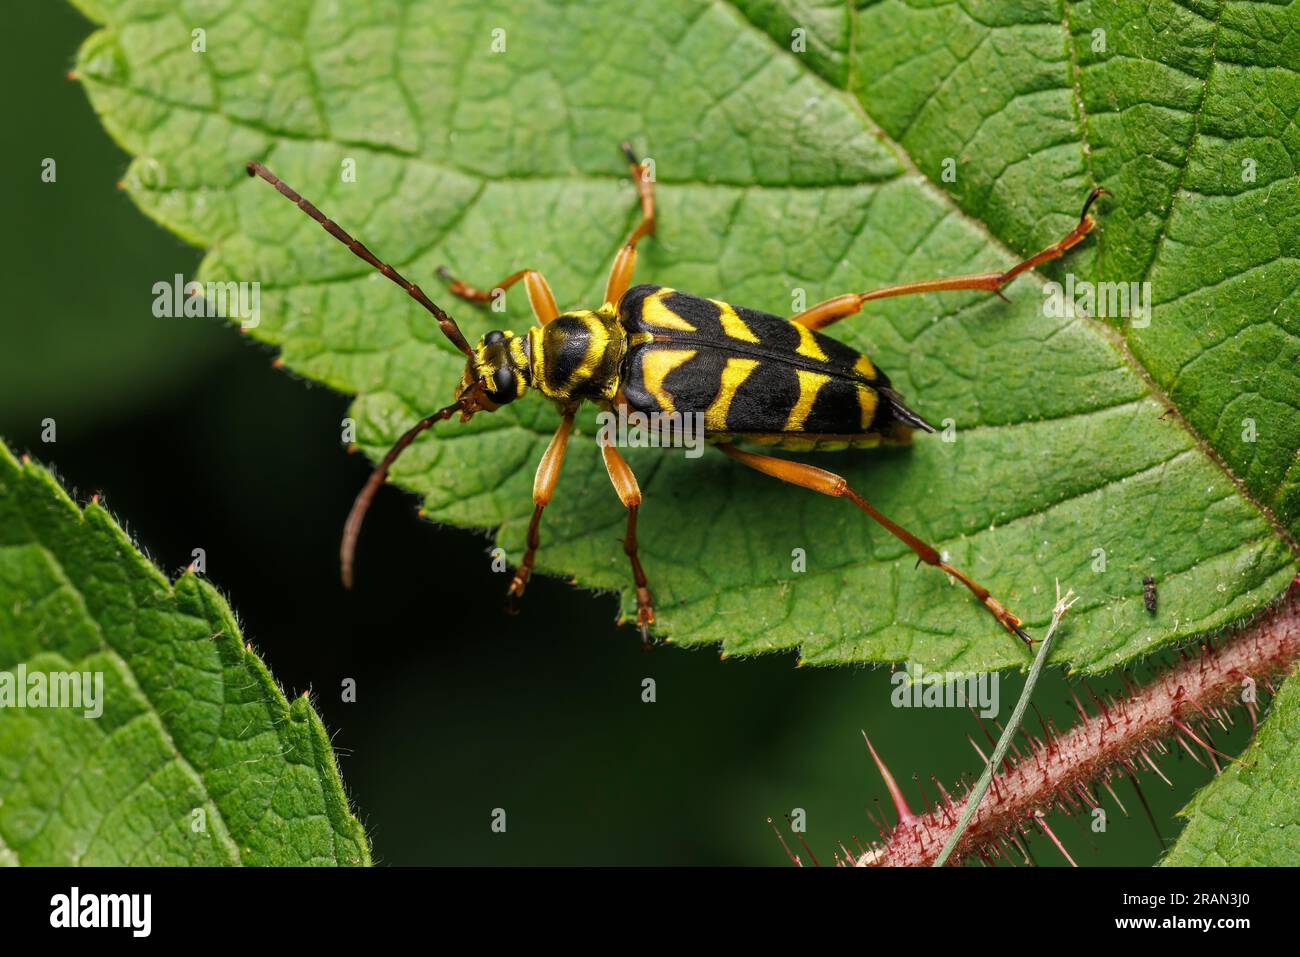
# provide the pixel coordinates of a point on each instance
(577, 355)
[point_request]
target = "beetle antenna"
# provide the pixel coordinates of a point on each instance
(445, 322)
(352, 528)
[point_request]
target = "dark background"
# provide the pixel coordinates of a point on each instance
(194, 440)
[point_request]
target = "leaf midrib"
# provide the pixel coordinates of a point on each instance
(1210, 67)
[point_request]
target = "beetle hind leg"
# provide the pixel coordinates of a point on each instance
(828, 483)
(840, 307)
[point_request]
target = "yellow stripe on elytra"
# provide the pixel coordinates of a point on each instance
(810, 383)
(868, 399)
(655, 313)
(655, 366)
(732, 324)
(865, 368)
(734, 374)
(808, 345)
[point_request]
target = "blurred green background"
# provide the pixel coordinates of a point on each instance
(194, 440)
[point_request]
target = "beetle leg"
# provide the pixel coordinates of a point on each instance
(828, 483)
(620, 275)
(833, 310)
(548, 471)
(540, 297)
(629, 492)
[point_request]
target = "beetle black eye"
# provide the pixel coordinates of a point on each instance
(503, 383)
(493, 337)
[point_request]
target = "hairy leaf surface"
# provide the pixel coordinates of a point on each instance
(195, 757)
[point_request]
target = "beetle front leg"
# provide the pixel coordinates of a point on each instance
(629, 492)
(540, 297)
(548, 471)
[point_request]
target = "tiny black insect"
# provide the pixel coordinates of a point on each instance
(1149, 594)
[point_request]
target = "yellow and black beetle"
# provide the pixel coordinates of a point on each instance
(752, 376)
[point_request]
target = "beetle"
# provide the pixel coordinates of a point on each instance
(754, 377)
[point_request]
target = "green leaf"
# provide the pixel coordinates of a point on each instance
(1248, 815)
(781, 171)
(196, 758)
